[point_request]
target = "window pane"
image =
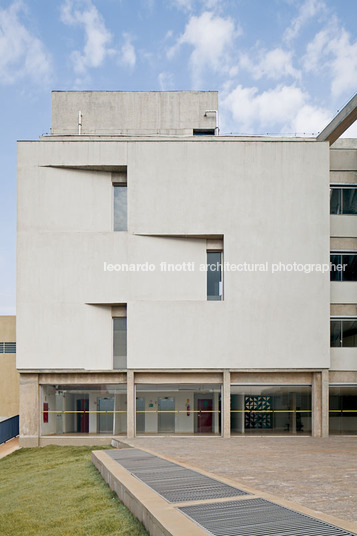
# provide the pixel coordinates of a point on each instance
(77, 409)
(120, 342)
(214, 275)
(203, 131)
(335, 333)
(350, 271)
(120, 208)
(343, 409)
(335, 201)
(349, 200)
(178, 409)
(335, 260)
(269, 409)
(349, 333)
(10, 347)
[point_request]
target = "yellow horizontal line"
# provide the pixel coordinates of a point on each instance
(59, 412)
(343, 410)
(199, 411)
(271, 411)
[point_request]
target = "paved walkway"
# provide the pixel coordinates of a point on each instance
(320, 474)
(9, 447)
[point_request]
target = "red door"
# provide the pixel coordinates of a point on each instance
(83, 416)
(204, 420)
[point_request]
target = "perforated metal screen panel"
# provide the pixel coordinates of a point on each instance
(171, 481)
(258, 517)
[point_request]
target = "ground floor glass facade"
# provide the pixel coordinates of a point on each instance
(190, 409)
(271, 409)
(83, 409)
(178, 409)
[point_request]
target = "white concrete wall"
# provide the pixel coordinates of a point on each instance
(268, 199)
(343, 359)
(341, 225)
(344, 158)
(344, 292)
(121, 112)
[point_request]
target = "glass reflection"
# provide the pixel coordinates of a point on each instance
(120, 208)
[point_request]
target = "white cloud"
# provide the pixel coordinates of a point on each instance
(351, 132)
(211, 38)
(308, 10)
(22, 54)
(166, 81)
(276, 63)
(127, 54)
(284, 109)
(84, 14)
(189, 5)
(186, 5)
(333, 51)
(310, 120)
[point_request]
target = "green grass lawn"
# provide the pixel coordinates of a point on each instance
(55, 491)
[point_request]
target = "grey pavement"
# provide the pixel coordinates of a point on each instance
(320, 474)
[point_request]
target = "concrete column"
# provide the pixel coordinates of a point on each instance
(325, 403)
(130, 406)
(316, 404)
(226, 404)
(30, 415)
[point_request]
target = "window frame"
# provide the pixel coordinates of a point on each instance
(119, 312)
(119, 185)
(220, 296)
(8, 347)
(341, 253)
(341, 319)
(341, 187)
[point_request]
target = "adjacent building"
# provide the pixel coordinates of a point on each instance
(9, 377)
(175, 281)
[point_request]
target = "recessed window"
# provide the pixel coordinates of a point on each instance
(120, 207)
(203, 132)
(119, 343)
(120, 200)
(343, 266)
(343, 199)
(343, 332)
(214, 276)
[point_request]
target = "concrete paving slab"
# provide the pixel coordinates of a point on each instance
(318, 473)
(120, 479)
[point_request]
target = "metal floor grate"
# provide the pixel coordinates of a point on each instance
(258, 517)
(173, 482)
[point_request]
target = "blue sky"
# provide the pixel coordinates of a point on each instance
(281, 66)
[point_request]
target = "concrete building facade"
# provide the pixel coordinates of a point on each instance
(172, 280)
